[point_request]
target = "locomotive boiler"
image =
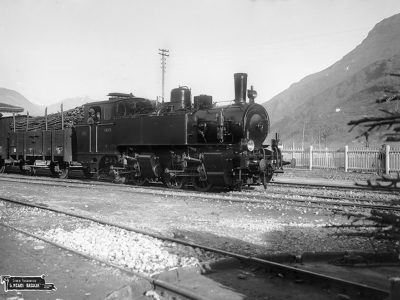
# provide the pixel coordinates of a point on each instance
(180, 143)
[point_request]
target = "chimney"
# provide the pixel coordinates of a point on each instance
(240, 87)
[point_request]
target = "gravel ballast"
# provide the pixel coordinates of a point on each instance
(248, 228)
(135, 251)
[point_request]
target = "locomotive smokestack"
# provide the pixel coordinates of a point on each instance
(240, 87)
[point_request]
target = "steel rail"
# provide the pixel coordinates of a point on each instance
(363, 288)
(232, 198)
(44, 178)
(339, 187)
(155, 282)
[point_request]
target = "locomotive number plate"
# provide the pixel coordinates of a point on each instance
(107, 129)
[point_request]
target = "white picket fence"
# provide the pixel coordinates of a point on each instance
(382, 160)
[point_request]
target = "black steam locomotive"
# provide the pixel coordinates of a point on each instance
(135, 140)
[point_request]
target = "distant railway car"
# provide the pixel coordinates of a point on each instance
(136, 140)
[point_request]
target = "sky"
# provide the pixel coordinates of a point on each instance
(51, 50)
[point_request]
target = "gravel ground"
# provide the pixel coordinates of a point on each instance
(251, 229)
(127, 249)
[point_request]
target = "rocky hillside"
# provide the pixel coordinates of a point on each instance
(324, 102)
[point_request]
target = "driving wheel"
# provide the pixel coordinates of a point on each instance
(173, 182)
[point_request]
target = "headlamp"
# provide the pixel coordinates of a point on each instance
(250, 145)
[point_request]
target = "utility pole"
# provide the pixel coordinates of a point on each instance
(164, 54)
(319, 138)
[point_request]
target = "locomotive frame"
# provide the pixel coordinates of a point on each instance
(135, 140)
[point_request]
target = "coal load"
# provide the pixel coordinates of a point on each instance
(71, 117)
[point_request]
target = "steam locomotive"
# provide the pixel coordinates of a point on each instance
(135, 140)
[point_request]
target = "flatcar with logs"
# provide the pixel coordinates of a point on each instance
(134, 140)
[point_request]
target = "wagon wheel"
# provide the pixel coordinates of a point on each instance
(62, 173)
(173, 182)
(201, 185)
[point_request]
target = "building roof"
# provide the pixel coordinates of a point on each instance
(8, 108)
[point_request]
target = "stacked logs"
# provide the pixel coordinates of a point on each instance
(71, 117)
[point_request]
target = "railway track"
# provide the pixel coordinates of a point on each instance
(384, 190)
(359, 291)
(348, 198)
(261, 194)
(80, 179)
(254, 197)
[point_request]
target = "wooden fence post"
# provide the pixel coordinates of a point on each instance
(292, 150)
(346, 158)
(311, 157)
(387, 160)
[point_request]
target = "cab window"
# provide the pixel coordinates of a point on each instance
(107, 112)
(120, 109)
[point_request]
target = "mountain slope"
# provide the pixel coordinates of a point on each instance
(14, 98)
(352, 84)
(68, 103)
